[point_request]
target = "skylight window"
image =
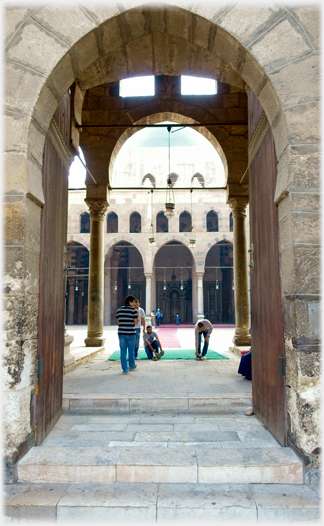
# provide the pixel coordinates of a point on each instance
(137, 87)
(197, 86)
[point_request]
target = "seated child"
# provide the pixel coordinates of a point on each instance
(151, 344)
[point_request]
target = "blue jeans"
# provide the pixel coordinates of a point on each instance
(155, 345)
(205, 347)
(127, 342)
(137, 341)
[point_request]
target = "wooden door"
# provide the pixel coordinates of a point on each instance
(50, 351)
(267, 340)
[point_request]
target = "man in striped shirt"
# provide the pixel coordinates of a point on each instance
(127, 318)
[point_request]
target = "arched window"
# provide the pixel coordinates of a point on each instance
(162, 223)
(85, 223)
(231, 222)
(149, 181)
(135, 223)
(212, 221)
(112, 223)
(197, 180)
(185, 222)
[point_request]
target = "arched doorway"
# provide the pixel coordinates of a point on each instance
(77, 284)
(218, 284)
(124, 275)
(173, 267)
(250, 57)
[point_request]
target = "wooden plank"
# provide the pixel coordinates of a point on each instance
(52, 280)
(268, 386)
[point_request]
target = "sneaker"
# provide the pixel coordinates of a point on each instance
(198, 358)
(203, 358)
(135, 367)
(154, 359)
(137, 358)
(161, 354)
(125, 372)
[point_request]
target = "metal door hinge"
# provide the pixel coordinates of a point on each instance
(40, 368)
(282, 365)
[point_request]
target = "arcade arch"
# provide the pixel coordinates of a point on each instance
(173, 271)
(219, 306)
(124, 274)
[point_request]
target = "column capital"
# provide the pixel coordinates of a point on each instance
(97, 207)
(148, 274)
(200, 273)
(238, 205)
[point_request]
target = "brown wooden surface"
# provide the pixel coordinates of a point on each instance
(52, 280)
(268, 387)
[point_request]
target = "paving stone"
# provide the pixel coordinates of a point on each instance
(174, 436)
(117, 502)
(147, 428)
(100, 427)
(69, 464)
(32, 502)
(218, 436)
(194, 503)
(264, 465)
(168, 420)
(157, 465)
(134, 443)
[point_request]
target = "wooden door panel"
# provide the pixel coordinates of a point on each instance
(268, 386)
(50, 351)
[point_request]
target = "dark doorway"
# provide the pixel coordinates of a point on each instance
(173, 272)
(218, 284)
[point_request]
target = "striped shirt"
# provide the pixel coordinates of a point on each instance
(126, 316)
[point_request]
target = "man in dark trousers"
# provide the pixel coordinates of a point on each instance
(202, 328)
(152, 344)
(127, 318)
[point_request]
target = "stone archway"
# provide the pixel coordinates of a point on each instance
(219, 305)
(173, 270)
(124, 274)
(227, 42)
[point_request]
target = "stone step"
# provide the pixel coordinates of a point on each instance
(184, 503)
(147, 403)
(150, 464)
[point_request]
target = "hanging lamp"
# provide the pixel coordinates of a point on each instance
(129, 279)
(192, 237)
(151, 236)
(169, 201)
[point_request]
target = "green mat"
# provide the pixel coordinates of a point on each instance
(177, 354)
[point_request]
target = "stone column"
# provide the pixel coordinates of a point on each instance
(200, 294)
(241, 287)
(148, 320)
(98, 208)
(71, 282)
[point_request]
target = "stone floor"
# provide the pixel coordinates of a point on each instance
(168, 442)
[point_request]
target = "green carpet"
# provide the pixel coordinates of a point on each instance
(178, 354)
